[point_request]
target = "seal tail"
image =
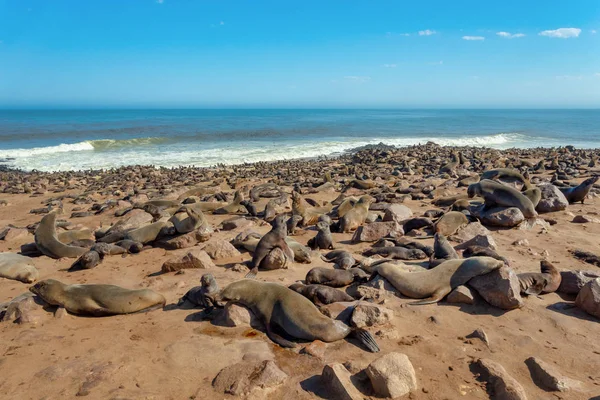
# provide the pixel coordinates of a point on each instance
(367, 340)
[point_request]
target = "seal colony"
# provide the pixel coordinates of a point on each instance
(332, 248)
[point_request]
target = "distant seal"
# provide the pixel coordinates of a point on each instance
(546, 281)
(442, 251)
(479, 251)
(48, 243)
(579, 193)
(335, 277)
(88, 260)
(287, 313)
(396, 253)
(320, 294)
(275, 238)
(69, 237)
(357, 215)
(18, 267)
(250, 207)
(450, 223)
(411, 244)
(131, 246)
(341, 258)
(235, 207)
(434, 284)
(292, 224)
(97, 300)
(416, 223)
(346, 205)
(498, 194)
(202, 296)
(310, 215)
(146, 234)
(187, 219)
(323, 239)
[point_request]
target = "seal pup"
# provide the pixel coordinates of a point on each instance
(292, 224)
(341, 258)
(323, 239)
(97, 300)
(320, 295)
(18, 267)
(47, 241)
(546, 281)
(498, 194)
(396, 253)
(434, 284)
(335, 277)
(357, 215)
(202, 296)
(578, 193)
(275, 238)
(287, 313)
(442, 251)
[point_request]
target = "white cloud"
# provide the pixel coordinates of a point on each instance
(160, 1)
(473, 38)
(390, 34)
(427, 32)
(593, 31)
(360, 79)
(562, 33)
(510, 35)
(385, 65)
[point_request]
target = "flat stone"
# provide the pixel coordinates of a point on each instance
(588, 298)
(236, 223)
(474, 234)
(500, 288)
(392, 375)
(507, 217)
(504, 386)
(548, 376)
(220, 249)
(480, 334)
(573, 281)
(9, 233)
(461, 295)
(243, 378)
(315, 349)
(195, 258)
(397, 213)
(370, 315)
(552, 199)
(336, 378)
(377, 230)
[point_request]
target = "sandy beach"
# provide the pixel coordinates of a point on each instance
(169, 353)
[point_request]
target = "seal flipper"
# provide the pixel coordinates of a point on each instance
(252, 273)
(278, 339)
(434, 298)
(367, 340)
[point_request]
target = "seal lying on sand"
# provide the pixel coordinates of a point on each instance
(335, 277)
(547, 281)
(287, 313)
(579, 193)
(341, 258)
(396, 253)
(434, 284)
(17, 267)
(320, 294)
(498, 194)
(48, 243)
(97, 300)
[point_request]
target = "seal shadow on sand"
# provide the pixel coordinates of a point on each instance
(315, 385)
(571, 310)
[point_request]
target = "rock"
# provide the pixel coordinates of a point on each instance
(179, 242)
(507, 217)
(234, 315)
(195, 258)
(480, 334)
(221, 249)
(24, 310)
(504, 386)
(340, 310)
(521, 242)
(60, 312)
(204, 233)
(397, 213)
(461, 295)
(552, 199)
(392, 375)
(585, 219)
(316, 349)
(10, 233)
(532, 223)
(377, 230)
(236, 223)
(573, 281)
(240, 268)
(135, 219)
(548, 376)
(474, 234)
(500, 288)
(371, 217)
(588, 298)
(370, 315)
(243, 378)
(336, 378)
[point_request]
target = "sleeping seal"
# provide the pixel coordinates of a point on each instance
(17, 267)
(335, 277)
(547, 281)
(287, 313)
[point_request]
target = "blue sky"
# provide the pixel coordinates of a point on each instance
(201, 53)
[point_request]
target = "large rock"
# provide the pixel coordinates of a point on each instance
(397, 213)
(572, 281)
(474, 234)
(392, 375)
(552, 199)
(336, 378)
(245, 377)
(195, 258)
(234, 315)
(461, 295)
(588, 298)
(377, 230)
(10, 233)
(504, 386)
(500, 288)
(507, 217)
(370, 315)
(548, 376)
(220, 249)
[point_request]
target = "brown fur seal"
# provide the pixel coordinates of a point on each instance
(68, 237)
(442, 251)
(344, 207)
(201, 296)
(335, 277)
(235, 207)
(292, 224)
(357, 215)
(450, 223)
(434, 284)
(547, 281)
(131, 246)
(287, 313)
(97, 300)
(188, 218)
(498, 194)
(310, 215)
(323, 239)
(479, 251)
(48, 243)
(341, 258)
(18, 267)
(275, 238)
(579, 193)
(320, 294)
(146, 234)
(396, 253)
(88, 260)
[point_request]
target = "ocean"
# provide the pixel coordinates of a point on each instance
(58, 140)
